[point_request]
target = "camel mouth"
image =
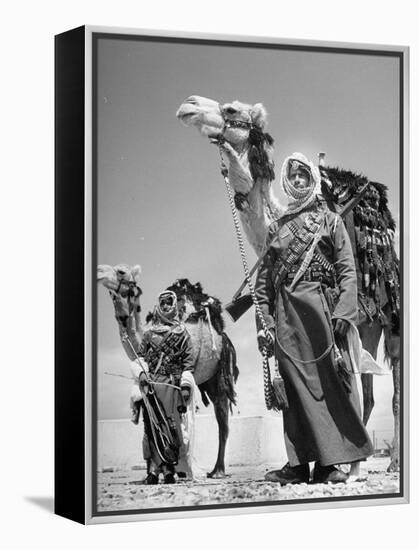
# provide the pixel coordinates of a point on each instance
(185, 117)
(101, 273)
(214, 136)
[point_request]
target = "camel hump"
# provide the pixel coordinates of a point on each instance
(205, 357)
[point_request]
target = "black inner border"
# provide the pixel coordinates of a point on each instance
(96, 36)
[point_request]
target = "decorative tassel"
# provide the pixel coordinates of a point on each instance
(259, 163)
(279, 395)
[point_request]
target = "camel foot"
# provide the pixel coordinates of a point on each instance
(394, 466)
(217, 474)
(356, 478)
(355, 472)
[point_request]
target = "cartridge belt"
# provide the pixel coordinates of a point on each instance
(303, 237)
(315, 272)
(166, 370)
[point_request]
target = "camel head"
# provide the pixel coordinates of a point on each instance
(246, 149)
(123, 283)
(120, 279)
(231, 120)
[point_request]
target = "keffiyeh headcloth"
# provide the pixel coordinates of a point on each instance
(170, 317)
(300, 198)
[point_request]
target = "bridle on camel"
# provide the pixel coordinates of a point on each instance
(133, 294)
(267, 382)
(134, 291)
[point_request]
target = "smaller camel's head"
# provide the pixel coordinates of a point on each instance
(123, 283)
(120, 279)
(231, 120)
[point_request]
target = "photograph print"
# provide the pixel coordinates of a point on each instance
(248, 316)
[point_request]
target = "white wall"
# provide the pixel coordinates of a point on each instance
(253, 441)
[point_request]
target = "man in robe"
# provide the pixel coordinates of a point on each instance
(307, 291)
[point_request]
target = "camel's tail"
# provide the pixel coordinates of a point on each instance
(392, 348)
(227, 373)
(228, 368)
(204, 397)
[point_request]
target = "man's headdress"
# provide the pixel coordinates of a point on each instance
(166, 309)
(300, 198)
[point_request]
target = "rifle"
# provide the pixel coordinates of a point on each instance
(240, 304)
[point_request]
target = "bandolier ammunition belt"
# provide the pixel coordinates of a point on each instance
(167, 354)
(303, 237)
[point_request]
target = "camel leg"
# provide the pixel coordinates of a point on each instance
(392, 344)
(395, 452)
(355, 471)
(355, 467)
(368, 396)
(370, 337)
(221, 413)
(221, 409)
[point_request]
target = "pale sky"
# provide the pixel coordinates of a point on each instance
(161, 198)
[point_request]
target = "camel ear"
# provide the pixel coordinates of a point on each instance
(259, 116)
(136, 272)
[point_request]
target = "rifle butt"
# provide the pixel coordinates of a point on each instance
(238, 307)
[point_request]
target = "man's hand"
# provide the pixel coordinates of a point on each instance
(186, 393)
(143, 383)
(266, 340)
(341, 327)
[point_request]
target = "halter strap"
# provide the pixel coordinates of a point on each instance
(228, 123)
(131, 285)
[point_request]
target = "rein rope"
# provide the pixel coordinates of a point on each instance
(267, 383)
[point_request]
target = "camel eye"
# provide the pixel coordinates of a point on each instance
(230, 110)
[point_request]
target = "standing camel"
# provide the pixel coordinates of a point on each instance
(215, 369)
(239, 130)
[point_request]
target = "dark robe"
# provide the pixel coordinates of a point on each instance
(323, 421)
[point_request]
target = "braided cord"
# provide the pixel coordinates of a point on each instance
(267, 384)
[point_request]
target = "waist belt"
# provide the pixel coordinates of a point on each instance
(320, 267)
(315, 272)
(166, 370)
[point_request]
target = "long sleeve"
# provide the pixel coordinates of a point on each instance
(265, 293)
(347, 306)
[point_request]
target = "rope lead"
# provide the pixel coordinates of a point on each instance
(267, 383)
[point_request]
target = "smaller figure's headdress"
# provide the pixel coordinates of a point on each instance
(167, 315)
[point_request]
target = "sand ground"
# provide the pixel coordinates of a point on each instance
(123, 489)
